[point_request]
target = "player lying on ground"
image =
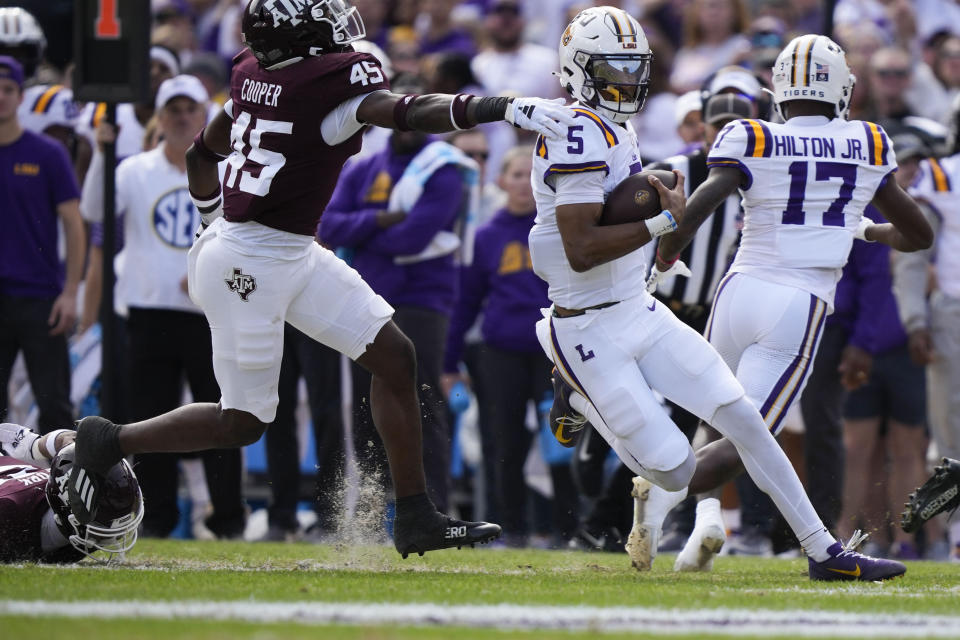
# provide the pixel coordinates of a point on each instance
(805, 184)
(300, 98)
(36, 523)
(610, 340)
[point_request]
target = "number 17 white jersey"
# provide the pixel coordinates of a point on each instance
(807, 182)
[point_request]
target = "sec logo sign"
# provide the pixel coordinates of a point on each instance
(175, 219)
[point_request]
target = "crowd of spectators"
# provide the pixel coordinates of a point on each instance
(468, 305)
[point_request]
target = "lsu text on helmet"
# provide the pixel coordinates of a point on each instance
(118, 514)
(813, 67)
(284, 30)
(22, 38)
(605, 62)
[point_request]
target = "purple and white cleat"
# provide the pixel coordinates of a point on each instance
(845, 563)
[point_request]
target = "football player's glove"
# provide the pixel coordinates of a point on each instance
(940, 493)
(17, 441)
(678, 268)
(549, 118)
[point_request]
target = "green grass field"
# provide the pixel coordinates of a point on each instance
(241, 590)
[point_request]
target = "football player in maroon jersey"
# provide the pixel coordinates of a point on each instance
(36, 523)
(300, 97)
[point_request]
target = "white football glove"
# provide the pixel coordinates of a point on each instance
(17, 441)
(678, 268)
(861, 231)
(549, 118)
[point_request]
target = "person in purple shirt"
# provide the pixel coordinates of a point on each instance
(886, 408)
(38, 297)
(442, 35)
(391, 249)
(501, 284)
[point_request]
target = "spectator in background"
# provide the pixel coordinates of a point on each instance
(169, 338)
(375, 20)
(510, 65)
(655, 140)
(936, 78)
(38, 301)
(890, 75)
(319, 365)
(47, 107)
(404, 214)
(713, 38)
(451, 73)
(475, 145)
(173, 26)
(689, 118)
(766, 42)
(210, 70)
(440, 34)
(512, 366)
(886, 406)
(930, 312)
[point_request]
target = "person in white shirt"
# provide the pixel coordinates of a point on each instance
(169, 338)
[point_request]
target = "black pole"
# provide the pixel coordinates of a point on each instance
(829, 6)
(108, 370)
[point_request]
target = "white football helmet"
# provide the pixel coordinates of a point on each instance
(605, 62)
(815, 68)
(22, 38)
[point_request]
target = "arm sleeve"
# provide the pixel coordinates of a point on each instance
(345, 223)
(341, 124)
(578, 188)
(439, 204)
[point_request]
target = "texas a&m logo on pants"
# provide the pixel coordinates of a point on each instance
(242, 283)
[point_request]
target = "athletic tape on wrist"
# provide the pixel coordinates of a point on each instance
(400, 111)
(458, 111)
(52, 441)
(662, 224)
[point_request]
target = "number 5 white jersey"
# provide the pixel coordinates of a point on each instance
(599, 153)
(807, 182)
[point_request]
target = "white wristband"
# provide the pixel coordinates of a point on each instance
(662, 224)
(860, 233)
(52, 441)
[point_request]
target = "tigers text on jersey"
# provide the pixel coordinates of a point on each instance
(938, 184)
(281, 172)
(594, 144)
(806, 184)
(160, 221)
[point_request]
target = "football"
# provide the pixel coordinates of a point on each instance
(635, 199)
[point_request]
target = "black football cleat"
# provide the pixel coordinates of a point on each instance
(939, 493)
(437, 531)
(566, 424)
(97, 450)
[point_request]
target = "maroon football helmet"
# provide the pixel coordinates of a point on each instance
(120, 509)
(279, 30)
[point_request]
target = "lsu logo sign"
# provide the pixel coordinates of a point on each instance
(175, 219)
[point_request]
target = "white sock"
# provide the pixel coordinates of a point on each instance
(196, 480)
(709, 509)
(659, 503)
(772, 472)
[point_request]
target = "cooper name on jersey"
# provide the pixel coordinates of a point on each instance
(264, 93)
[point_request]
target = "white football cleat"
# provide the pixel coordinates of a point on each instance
(706, 541)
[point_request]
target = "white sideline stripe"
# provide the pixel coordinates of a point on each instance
(515, 617)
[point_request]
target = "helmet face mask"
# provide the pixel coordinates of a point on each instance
(277, 31)
(605, 62)
(119, 508)
(813, 67)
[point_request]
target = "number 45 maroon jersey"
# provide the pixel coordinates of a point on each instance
(281, 173)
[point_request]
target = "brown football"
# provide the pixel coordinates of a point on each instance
(635, 199)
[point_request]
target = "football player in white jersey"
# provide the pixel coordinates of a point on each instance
(804, 183)
(610, 340)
